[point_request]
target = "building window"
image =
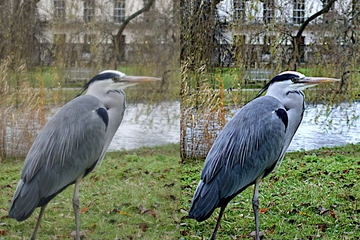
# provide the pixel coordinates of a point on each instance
(299, 12)
(89, 10)
(119, 11)
(268, 13)
(239, 10)
(59, 9)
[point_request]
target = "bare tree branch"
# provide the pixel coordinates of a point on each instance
(314, 16)
(118, 38)
(297, 38)
(146, 8)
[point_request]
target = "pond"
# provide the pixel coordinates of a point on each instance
(148, 125)
(340, 126)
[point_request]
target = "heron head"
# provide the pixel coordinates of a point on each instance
(294, 81)
(115, 80)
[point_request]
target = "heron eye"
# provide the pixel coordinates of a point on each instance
(293, 80)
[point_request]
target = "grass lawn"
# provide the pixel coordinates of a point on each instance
(132, 195)
(312, 195)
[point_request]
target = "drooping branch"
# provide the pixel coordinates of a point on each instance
(297, 38)
(118, 41)
(326, 9)
(146, 8)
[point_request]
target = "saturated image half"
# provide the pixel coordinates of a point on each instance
(270, 145)
(89, 140)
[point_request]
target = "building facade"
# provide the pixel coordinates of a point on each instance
(88, 26)
(264, 23)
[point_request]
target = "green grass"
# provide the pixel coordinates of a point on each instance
(312, 195)
(132, 195)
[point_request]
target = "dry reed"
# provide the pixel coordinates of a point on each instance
(22, 111)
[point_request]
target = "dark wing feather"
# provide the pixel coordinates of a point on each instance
(247, 148)
(66, 148)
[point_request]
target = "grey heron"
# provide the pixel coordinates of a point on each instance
(251, 144)
(71, 144)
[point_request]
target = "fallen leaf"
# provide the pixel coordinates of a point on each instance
(322, 226)
(83, 210)
(332, 213)
(263, 210)
(143, 226)
(183, 232)
(143, 210)
(152, 212)
(304, 213)
(3, 232)
(123, 213)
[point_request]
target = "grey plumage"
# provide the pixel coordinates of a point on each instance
(71, 144)
(61, 144)
(237, 156)
(251, 144)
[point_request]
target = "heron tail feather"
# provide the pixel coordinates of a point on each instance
(25, 200)
(205, 201)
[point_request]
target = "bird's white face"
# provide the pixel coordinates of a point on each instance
(290, 85)
(289, 81)
(108, 80)
(299, 81)
(115, 80)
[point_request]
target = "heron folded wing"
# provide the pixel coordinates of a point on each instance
(249, 144)
(71, 141)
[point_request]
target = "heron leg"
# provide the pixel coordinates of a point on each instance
(222, 209)
(255, 204)
(33, 236)
(76, 208)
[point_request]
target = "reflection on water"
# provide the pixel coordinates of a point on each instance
(148, 125)
(340, 127)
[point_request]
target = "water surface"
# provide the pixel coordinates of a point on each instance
(148, 125)
(341, 126)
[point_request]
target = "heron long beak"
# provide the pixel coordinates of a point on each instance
(139, 79)
(317, 80)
